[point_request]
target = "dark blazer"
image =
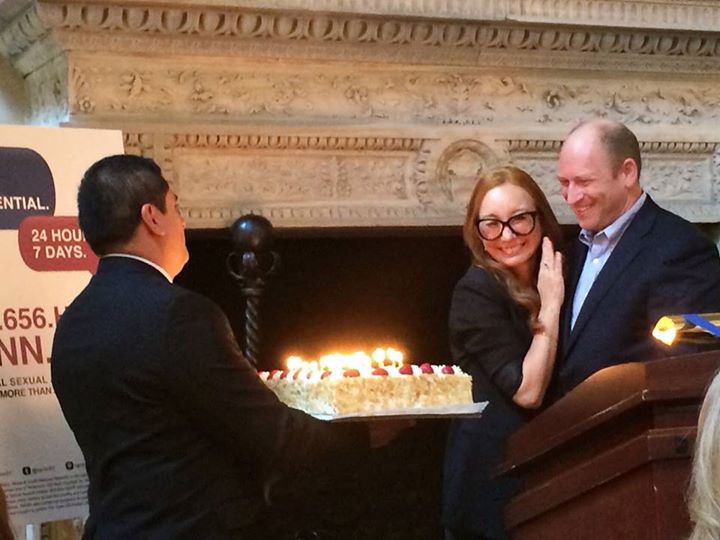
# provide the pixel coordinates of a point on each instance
(177, 430)
(662, 265)
(489, 337)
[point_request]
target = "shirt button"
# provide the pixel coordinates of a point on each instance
(596, 261)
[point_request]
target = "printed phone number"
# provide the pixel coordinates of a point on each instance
(27, 318)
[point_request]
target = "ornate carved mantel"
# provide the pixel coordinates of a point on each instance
(340, 113)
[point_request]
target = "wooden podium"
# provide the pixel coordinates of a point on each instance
(611, 460)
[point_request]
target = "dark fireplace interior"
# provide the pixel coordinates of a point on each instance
(348, 291)
(341, 292)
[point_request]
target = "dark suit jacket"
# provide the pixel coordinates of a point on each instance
(662, 265)
(489, 337)
(177, 430)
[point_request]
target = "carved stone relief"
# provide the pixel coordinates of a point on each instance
(210, 91)
(535, 34)
(283, 177)
(647, 14)
(336, 180)
(459, 166)
(333, 113)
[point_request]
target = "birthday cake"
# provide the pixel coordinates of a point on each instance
(342, 384)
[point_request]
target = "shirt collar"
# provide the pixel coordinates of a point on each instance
(142, 259)
(614, 231)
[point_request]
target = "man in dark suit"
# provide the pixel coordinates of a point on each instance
(178, 433)
(633, 261)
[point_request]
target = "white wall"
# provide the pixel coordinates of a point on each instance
(14, 105)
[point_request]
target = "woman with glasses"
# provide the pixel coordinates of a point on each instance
(503, 331)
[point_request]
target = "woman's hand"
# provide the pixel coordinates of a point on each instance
(540, 358)
(551, 286)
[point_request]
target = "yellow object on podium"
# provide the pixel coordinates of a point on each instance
(693, 327)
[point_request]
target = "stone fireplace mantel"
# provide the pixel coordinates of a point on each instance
(333, 113)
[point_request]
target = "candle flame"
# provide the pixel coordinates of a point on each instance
(355, 360)
(665, 331)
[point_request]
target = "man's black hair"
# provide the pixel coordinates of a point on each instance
(111, 195)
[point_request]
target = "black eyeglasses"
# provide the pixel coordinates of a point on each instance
(520, 224)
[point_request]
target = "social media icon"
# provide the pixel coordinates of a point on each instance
(26, 470)
(69, 465)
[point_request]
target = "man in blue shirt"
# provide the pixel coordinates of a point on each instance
(632, 263)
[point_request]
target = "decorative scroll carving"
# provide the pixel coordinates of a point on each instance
(646, 14)
(459, 167)
(139, 144)
(442, 96)
(24, 31)
(323, 28)
(423, 190)
(294, 179)
(493, 34)
(334, 180)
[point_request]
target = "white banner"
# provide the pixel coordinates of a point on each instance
(45, 264)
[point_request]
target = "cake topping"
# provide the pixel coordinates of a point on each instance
(381, 363)
(405, 369)
(336, 365)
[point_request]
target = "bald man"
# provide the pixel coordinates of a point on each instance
(632, 262)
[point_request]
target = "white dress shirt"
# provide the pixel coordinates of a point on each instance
(155, 266)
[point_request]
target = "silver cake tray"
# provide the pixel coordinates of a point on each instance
(472, 410)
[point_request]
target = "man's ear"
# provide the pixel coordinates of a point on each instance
(629, 171)
(152, 217)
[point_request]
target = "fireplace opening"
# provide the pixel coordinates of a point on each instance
(343, 292)
(347, 292)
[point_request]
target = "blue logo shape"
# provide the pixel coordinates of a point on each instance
(26, 186)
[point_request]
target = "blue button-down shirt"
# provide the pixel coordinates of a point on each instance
(600, 246)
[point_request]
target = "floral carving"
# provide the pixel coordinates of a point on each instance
(426, 75)
(134, 84)
(447, 96)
